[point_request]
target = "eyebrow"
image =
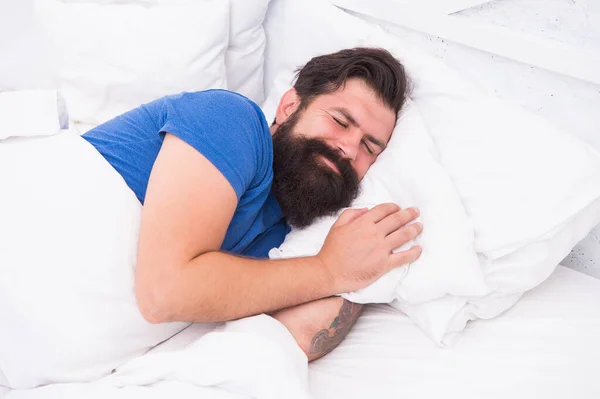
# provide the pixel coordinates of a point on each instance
(354, 123)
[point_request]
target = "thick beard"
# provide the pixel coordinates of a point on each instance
(304, 186)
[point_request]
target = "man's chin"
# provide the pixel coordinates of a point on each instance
(300, 212)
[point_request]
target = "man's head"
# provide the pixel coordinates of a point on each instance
(331, 126)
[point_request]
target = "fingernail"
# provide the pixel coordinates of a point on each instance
(417, 211)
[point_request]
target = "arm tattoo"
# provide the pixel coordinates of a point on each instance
(326, 340)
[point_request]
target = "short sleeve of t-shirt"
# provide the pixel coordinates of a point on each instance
(227, 129)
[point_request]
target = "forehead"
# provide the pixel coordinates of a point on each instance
(373, 116)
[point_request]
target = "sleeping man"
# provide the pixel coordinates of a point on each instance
(220, 188)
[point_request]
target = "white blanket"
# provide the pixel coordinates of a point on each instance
(254, 357)
(68, 316)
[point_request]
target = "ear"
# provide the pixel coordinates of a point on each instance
(287, 105)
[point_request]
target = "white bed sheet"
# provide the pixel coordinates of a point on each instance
(546, 346)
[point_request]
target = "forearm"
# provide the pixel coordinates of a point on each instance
(319, 326)
(217, 286)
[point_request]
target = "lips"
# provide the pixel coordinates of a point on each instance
(330, 164)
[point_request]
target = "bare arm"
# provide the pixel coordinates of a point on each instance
(218, 287)
(180, 274)
(318, 327)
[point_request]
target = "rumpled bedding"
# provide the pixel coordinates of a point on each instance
(70, 325)
(254, 357)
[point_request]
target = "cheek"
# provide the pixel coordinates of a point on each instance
(362, 164)
(314, 129)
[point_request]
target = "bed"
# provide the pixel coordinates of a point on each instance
(544, 346)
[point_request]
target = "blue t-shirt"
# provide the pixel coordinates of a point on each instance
(230, 131)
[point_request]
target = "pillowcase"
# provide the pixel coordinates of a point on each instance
(32, 113)
(22, 65)
(110, 57)
(299, 30)
(529, 173)
(531, 176)
(508, 278)
(244, 58)
(529, 189)
(527, 215)
(68, 247)
(409, 174)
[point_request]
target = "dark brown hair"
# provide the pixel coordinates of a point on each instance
(325, 74)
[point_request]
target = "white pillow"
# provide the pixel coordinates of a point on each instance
(409, 174)
(533, 194)
(508, 278)
(519, 175)
(68, 246)
(513, 274)
(110, 57)
(244, 59)
(299, 30)
(511, 167)
(22, 65)
(32, 113)
(518, 242)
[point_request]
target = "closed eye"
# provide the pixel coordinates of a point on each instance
(339, 122)
(369, 150)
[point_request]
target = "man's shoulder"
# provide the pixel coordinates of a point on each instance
(222, 109)
(226, 126)
(217, 97)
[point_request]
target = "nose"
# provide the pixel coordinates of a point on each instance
(349, 144)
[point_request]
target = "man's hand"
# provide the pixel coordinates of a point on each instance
(358, 249)
(319, 326)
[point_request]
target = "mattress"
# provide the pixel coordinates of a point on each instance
(546, 346)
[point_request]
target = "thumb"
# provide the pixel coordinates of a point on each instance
(349, 215)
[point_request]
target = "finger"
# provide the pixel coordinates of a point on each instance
(377, 213)
(405, 257)
(349, 215)
(403, 235)
(396, 220)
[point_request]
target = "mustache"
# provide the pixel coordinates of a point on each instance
(315, 147)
